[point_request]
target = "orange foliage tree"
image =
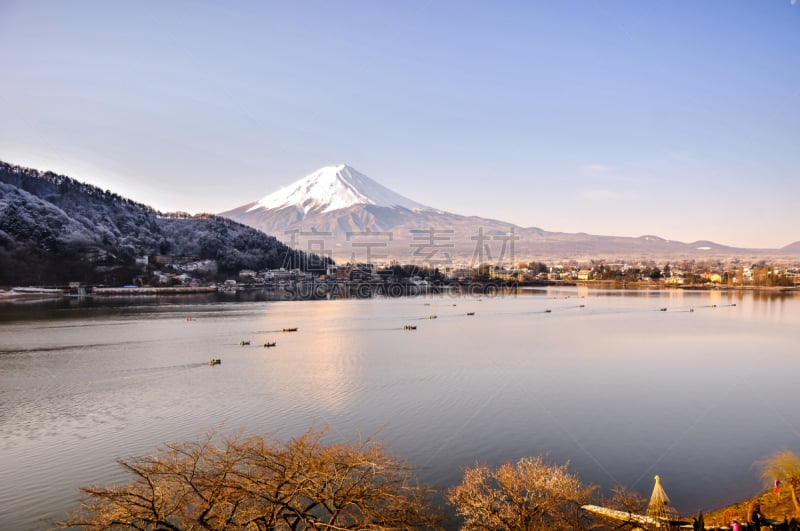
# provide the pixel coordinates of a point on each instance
(258, 483)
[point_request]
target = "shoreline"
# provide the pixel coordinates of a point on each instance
(773, 506)
(23, 292)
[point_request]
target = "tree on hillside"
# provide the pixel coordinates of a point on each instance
(262, 484)
(783, 465)
(527, 495)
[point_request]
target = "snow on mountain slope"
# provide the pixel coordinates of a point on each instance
(334, 188)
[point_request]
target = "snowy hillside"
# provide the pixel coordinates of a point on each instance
(54, 229)
(334, 188)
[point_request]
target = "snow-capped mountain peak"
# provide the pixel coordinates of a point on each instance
(333, 188)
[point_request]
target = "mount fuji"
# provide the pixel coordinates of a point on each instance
(335, 200)
(334, 188)
(339, 211)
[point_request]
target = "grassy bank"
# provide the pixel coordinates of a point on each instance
(773, 506)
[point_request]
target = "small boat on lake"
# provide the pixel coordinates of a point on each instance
(290, 329)
(410, 327)
(243, 343)
(470, 313)
(268, 344)
(431, 317)
(214, 362)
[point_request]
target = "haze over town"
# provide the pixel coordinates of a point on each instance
(627, 118)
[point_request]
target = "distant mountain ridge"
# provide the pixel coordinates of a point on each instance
(355, 218)
(54, 229)
(792, 248)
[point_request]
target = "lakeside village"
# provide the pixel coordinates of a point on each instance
(164, 274)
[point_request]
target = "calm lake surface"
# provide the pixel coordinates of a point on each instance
(605, 380)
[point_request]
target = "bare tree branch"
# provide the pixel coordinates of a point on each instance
(262, 483)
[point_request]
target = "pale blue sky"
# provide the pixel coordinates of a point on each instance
(679, 119)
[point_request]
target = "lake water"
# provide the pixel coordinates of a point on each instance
(605, 379)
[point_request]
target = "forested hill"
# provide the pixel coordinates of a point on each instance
(54, 229)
